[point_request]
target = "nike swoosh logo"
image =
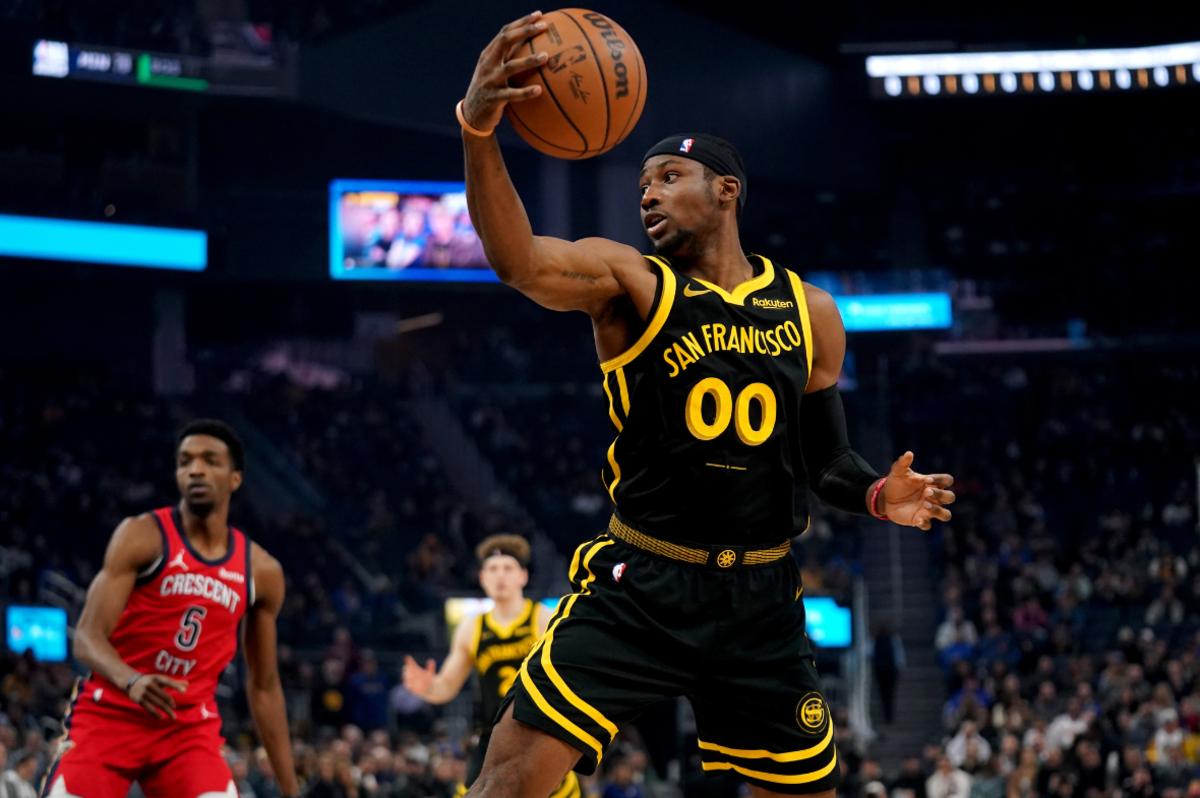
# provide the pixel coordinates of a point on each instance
(689, 291)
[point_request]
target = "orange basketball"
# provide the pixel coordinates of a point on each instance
(593, 85)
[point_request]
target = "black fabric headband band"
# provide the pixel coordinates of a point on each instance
(715, 153)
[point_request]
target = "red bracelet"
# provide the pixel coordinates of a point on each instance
(872, 505)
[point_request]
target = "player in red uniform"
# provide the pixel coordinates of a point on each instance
(159, 626)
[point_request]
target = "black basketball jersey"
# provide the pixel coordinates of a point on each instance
(706, 408)
(499, 650)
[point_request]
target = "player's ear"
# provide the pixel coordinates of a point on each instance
(524, 577)
(235, 481)
(729, 188)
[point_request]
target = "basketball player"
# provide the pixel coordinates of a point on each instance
(721, 371)
(160, 624)
(493, 643)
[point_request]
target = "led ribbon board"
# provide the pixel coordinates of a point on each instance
(103, 242)
(1035, 71)
(882, 312)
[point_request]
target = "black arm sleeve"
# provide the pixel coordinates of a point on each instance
(840, 477)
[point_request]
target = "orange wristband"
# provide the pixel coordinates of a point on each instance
(462, 120)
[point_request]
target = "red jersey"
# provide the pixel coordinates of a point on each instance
(182, 617)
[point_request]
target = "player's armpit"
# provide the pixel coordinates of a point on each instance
(586, 275)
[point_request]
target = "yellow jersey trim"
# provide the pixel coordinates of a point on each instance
(612, 461)
(657, 319)
(738, 295)
(805, 322)
(758, 753)
(548, 665)
(612, 405)
(506, 630)
(623, 387)
(802, 778)
(569, 787)
(543, 646)
(559, 718)
(478, 633)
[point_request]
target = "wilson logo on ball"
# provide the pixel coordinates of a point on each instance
(593, 85)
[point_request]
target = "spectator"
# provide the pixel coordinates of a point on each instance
(948, 781)
(968, 736)
(367, 692)
(956, 638)
(887, 662)
(17, 781)
(620, 780)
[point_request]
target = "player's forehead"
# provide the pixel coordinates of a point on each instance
(501, 561)
(657, 163)
(200, 445)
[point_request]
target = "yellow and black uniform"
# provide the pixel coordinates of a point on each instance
(691, 591)
(498, 651)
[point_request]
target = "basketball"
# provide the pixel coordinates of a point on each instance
(593, 86)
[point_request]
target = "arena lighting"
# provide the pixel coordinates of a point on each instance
(103, 242)
(1039, 71)
(884, 312)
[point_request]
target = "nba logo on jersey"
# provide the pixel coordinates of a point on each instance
(686, 145)
(618, 571)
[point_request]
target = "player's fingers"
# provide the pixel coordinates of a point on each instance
(159, 692)
(902, 464)
(430, 665)
(942, 480)
(525, 20)
(517, 33)
(408, 660)
(524, 64)
(175, 684)
(517, 95)
(157, 705)
(940, 513)
(942, 496)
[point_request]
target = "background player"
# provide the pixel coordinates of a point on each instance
(159, 626)
(494, 643)
(721, 372)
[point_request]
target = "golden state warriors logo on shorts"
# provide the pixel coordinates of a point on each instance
(812, 714)
(726, 558)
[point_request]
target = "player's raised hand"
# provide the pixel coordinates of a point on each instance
(418, 680)
(912, 499)
(489, 91)
(152, 692)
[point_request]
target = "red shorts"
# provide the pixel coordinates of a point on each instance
(108, 748)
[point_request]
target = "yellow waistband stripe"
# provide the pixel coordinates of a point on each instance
(675, 551)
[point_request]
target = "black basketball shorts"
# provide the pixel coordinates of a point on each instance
(640, 627)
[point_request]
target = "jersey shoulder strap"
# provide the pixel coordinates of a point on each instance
(660, 309)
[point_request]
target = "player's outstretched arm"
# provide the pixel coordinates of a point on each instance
(263, 689)
(438, 687)
(135, 545)
(840, 476)
(582, 275)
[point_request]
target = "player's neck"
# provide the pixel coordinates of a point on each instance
(508, 609)
(719, 260)
(209, 534)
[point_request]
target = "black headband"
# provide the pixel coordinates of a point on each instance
(715, 153)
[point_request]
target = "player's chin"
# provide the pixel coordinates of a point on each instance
(673, 243)
(200, 507)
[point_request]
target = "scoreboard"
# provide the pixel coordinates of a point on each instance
(264, 77)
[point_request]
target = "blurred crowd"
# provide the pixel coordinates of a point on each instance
(1070, 581)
